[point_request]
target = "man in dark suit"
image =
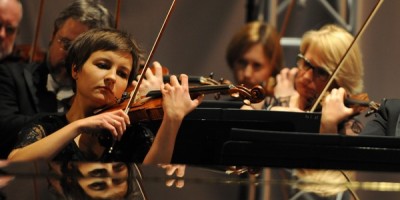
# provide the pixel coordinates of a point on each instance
(30, 90)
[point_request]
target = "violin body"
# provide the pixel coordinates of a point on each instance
(146, 111)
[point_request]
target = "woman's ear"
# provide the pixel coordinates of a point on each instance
(74, 72)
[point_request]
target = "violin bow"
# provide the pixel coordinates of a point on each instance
(117, 13)
(35, 39)
(146, 65)
(340, 64)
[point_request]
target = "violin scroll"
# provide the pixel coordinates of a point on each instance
(254, 95)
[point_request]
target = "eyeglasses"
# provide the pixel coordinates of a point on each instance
(319, 73)
(64, 42)
(10, 30)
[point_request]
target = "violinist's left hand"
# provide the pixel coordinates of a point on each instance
(152, 81)
(177, 102)
(334, 111)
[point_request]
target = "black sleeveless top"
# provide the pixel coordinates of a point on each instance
(133, 146)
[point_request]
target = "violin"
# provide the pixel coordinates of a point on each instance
(149, 107)
(201, 80)
(360, 103)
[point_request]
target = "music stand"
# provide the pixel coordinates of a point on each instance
(302, 150)
(205, 130)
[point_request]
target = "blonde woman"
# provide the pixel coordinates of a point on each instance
(320, 53)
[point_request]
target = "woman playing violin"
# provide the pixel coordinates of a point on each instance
(102, 63)
(320, 52)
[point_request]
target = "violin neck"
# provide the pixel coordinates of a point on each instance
(195, 91)
(192, 79)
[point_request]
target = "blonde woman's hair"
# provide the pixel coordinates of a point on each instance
(333, 41)
(323, 183)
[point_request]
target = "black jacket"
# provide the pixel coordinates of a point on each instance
(23, 98)
(386, 121)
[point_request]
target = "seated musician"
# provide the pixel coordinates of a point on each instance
(320, 53)
(102, 63)
(255, 55)
(384, 122)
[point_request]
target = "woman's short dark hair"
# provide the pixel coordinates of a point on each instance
(102, 39)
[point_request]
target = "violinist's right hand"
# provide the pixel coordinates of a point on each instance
(152, 81)
(334, 111)
(114, 121)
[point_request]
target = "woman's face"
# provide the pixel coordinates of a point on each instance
(311, 78)
(103, 77)
(104, 179)
(253, 68)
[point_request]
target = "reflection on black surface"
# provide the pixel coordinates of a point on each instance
(325, 184)
(98, 181)
(77, 180)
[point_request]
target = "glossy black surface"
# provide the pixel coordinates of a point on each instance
(39, 180)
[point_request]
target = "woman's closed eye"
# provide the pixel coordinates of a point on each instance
(98, 186)
(103, 65)
(123, 73)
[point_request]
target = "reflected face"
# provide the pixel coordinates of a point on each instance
(253, 68)
(103, 77)
(10, 17)
(311, 78)
(104, 179)
(60, 43)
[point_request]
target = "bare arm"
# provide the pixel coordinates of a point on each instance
(48, 147)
